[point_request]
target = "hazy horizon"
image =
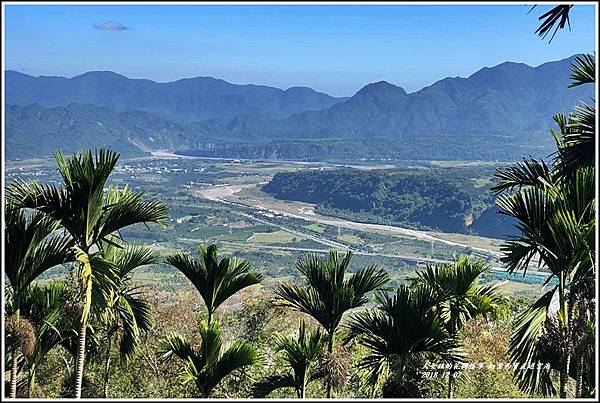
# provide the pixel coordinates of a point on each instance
(284, 89)
(336, 49)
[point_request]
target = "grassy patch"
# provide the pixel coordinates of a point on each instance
(315, 227)
(274, 237)
(353, 239)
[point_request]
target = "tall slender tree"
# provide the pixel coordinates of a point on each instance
(584, 330)
(402, 330)
(328, 293)
(126, 313)
(216, 280)
(557, 224)
(554, 207)
(32, 246)
(460, 297)
(301, 354)
(209, 364)
(91, 216)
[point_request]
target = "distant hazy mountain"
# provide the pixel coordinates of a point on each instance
(35, 130)
(186, 100)
(38, 131)
(511, 99)
(499, 113)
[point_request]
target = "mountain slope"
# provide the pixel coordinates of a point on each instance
(185, 100)
(498, 113)
(35, 131)
(446, 199)
(510, 99)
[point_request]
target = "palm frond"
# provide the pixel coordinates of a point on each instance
(302, 350)
(44, 305)
(124, 208)
(583, 71)
(554, 223)
(32, 246)
(177, 345)
(532, 207)
(529, 172)
(135, 315)
(210, 364)
(327, 294)
(402, 325)
(39, 299)
(457, 292)
(238, 275)
(84, 176)
(45, 198)
(557, 18)
(300, 353)
(240, 354)
(365, 281)
(211, 346)
(577, 140)
(304, 299)
(526, 350)
(216, 280)
(131, 257)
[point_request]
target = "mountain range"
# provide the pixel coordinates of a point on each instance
(500, 112)
(183, 101)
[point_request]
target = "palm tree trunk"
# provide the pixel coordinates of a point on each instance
(14, 355)
(303, 390)
(80, 360)
(30, 388)
(564, 375)
(107, 366)
(330, 351)
(451, 383)
(563, 320)
(579, 387)
(13, 374)
(209, 316)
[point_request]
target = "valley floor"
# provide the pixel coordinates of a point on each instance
(220, 201)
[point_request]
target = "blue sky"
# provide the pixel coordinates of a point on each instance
(333, 48)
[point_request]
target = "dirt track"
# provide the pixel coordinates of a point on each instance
(305, 211)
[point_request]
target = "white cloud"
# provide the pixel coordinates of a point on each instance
(111, 26)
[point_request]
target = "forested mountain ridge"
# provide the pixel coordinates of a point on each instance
(35, 130)
(185, 100)
(507, 99)
(448, 199)
(498, 113)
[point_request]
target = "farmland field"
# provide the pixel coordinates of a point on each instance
(221, 202)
